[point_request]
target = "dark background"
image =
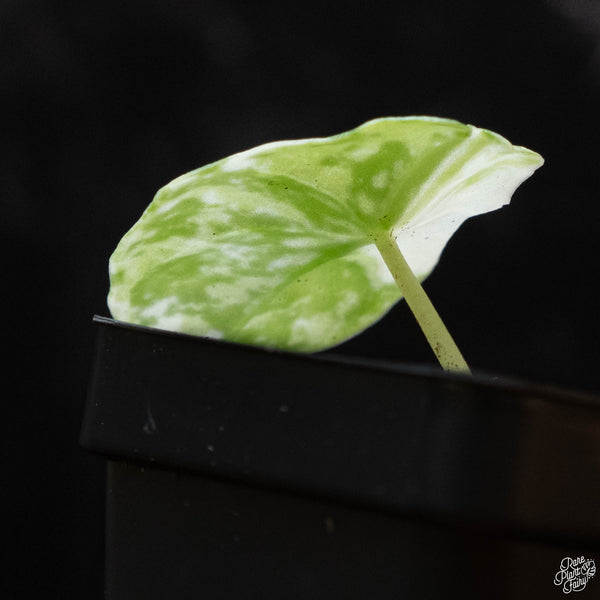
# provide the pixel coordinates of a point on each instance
(103, 103)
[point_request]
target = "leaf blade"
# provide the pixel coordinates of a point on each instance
(274, 246)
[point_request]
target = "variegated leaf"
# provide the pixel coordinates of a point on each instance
(274, 246)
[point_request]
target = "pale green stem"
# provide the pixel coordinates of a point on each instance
(433, 327)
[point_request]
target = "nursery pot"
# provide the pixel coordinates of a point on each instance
(238, 472)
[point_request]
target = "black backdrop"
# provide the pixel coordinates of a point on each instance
(103, 103)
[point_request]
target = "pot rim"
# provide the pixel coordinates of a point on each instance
(477, 378)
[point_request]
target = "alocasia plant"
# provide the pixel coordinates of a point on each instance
(296, 244)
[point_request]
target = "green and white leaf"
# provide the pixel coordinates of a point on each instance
(275, 246)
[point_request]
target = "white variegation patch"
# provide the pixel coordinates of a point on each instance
(364, 152)
(166, 207)
(380, 180)
(213, 197)
(288, 260)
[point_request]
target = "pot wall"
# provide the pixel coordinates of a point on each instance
(350, 474)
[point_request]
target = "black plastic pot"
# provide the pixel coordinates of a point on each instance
(237, 472)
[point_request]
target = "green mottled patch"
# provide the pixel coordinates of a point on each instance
(274, 246)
